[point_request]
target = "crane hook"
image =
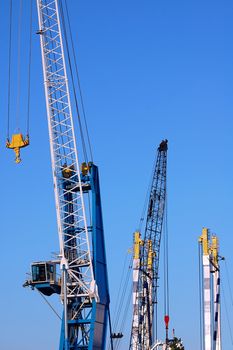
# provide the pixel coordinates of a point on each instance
(17, 142)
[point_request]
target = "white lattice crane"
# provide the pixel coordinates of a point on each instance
(83, 285)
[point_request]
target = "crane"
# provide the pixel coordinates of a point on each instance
(146, 259)
(83, 285)
(210, 290)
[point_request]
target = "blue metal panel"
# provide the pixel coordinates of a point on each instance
(98, 313)
(62, 335)
(99, 264)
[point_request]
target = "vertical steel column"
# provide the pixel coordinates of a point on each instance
(136, 266)
(216, 294)
(207, 302)
(217, 324)
(204, 240)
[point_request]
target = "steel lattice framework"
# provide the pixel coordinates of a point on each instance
(210, 280)
(147, 267)
(76, 261)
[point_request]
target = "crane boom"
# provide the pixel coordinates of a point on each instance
(146, 261)
(65, 164)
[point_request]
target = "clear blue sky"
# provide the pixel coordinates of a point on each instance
(149, 70)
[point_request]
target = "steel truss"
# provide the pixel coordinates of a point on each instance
(79, 287)
(147, 267)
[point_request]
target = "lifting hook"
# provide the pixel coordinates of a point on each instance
(17, 142)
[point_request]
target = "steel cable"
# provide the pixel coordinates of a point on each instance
(17, 115)
(49, 304)
(29, 68)
(121, 297)
(78, 80)
(228, 282)
(9, 71)
(146, 199)
(166, 270)
(227, 315)
(124, 316)
(73, 84)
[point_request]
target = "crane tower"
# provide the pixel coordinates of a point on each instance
(83, 286)
(210, 291)
(146, 259)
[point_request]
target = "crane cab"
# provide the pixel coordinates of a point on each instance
(44, 277)
(43, 272)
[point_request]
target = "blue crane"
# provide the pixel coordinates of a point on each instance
(83, 281)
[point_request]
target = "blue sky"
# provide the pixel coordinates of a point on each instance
(149, 70)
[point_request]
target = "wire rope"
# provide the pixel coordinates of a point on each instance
(227, 315)
(122, 277)
(121, 301)
(110, 329)
(75, 97)
(78, 80)
(29, 68)
(9, 71)
(18, 67)
(166, 269)
(124, 316)
(228, 282)
(49, 304)
(72, 82)
(142, 218)
(122, 293)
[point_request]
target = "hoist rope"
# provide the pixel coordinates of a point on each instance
(85, 154)
(227, 315)
(110, 329)
(78, 80)
(72, 82)
(122, 305)
(9, 71)
(19, 70)
(124, 317)
(122, 298)
(29, 68)
(17, 115)
(144, 209)
(231, 298)
(228, 282)
(166, 264)
(49, 304)
(121, 282)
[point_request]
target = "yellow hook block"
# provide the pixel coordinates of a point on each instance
(16, 143)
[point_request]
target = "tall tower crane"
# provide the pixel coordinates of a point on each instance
(146, 259)
(210, 291)
(83, 286)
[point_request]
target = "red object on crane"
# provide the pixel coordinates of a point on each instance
(166, 320)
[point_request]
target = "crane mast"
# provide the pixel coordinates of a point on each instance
(146, 258)
(211, 291)
(65, 165)
(82, 257)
